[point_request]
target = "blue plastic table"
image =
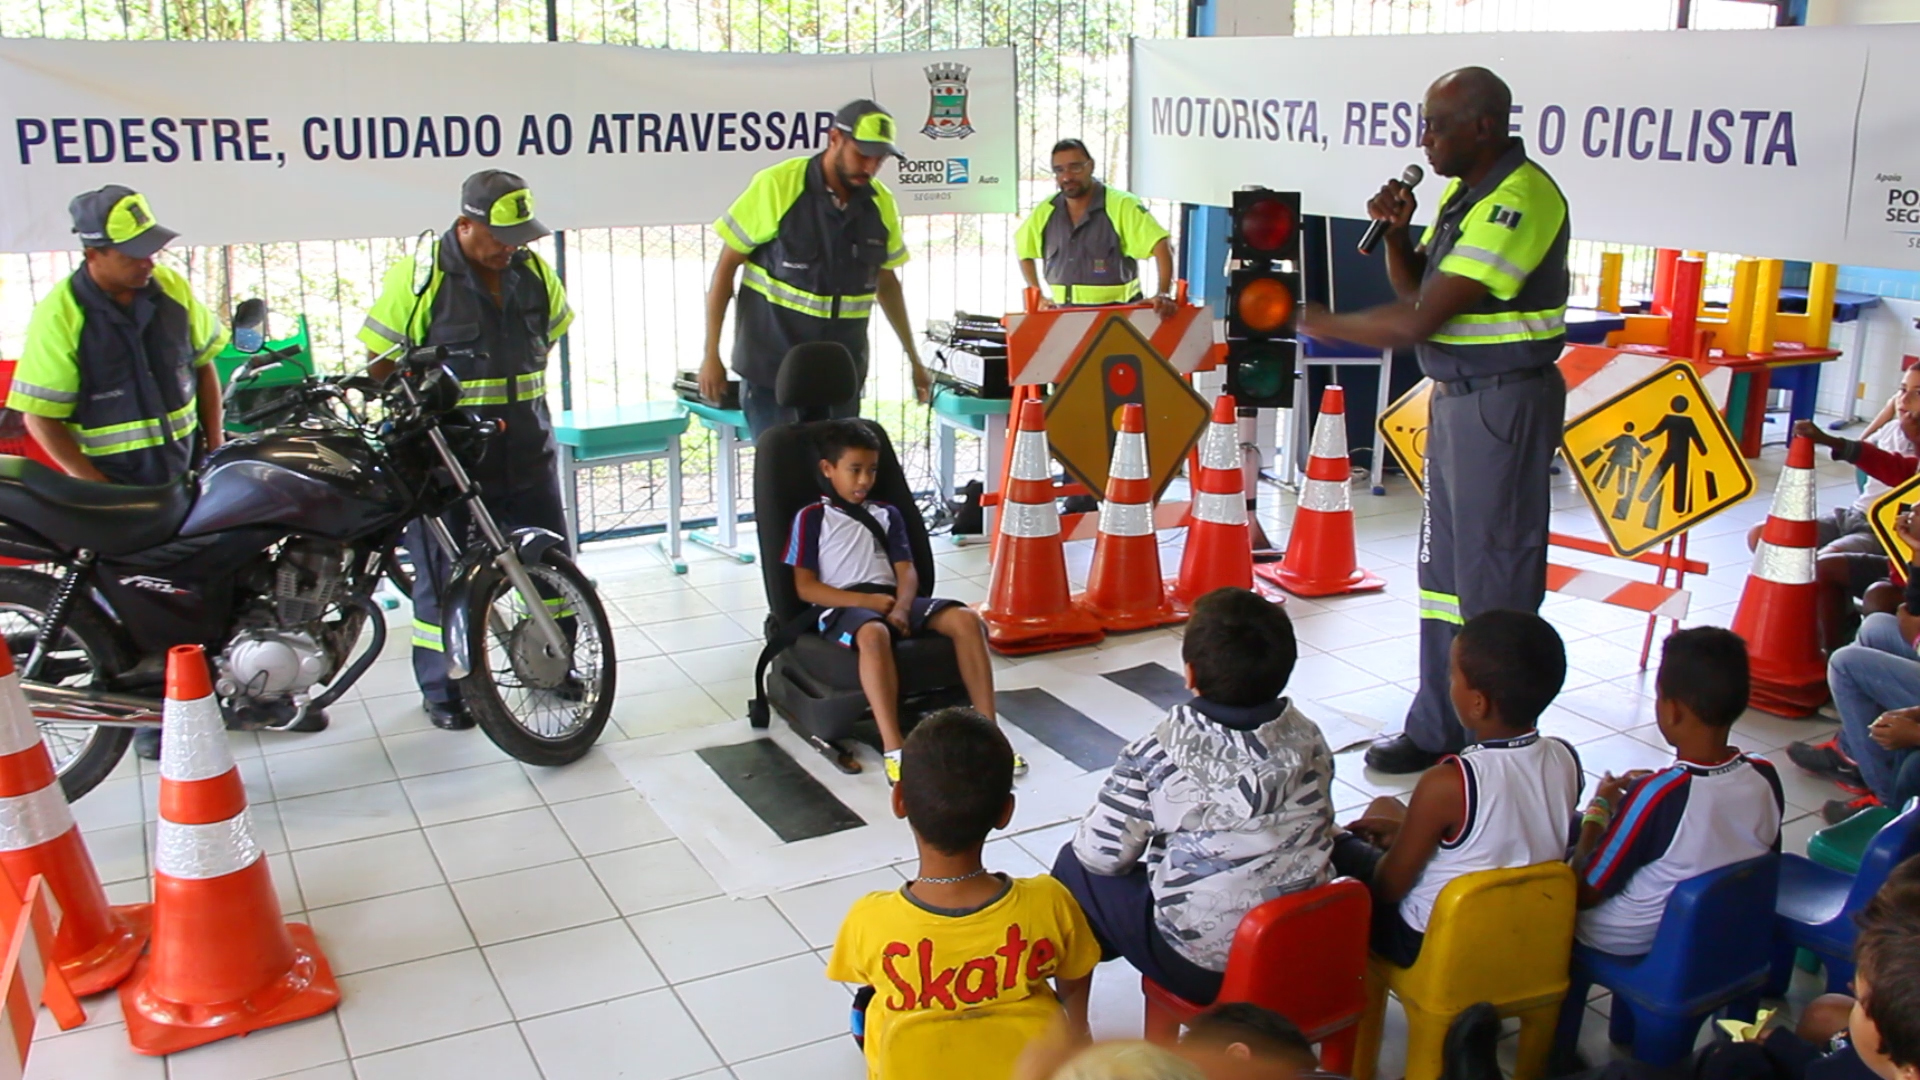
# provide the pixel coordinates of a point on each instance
(648, 431)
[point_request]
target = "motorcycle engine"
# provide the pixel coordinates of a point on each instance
(270, 663)
(282, 645)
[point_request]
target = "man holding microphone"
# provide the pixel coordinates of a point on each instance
(1483, 301)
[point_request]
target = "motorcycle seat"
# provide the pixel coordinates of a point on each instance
(70, 513)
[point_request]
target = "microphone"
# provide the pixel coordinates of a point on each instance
(1410, 178)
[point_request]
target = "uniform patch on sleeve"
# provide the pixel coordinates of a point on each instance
(1505, 216)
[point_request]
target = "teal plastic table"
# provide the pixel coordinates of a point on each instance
(729, 426)
(986, 418)
(649, 431)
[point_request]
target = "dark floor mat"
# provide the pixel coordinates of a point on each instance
(781, 792)
(1155, 682)
(1064, 729)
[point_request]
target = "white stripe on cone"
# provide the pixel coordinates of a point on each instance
(195, 745)
(1220, 450)
(17, 730)
(1793, 497)
(1783, 565)
(199, 852)
(1030, 457)
(1027, 521)
(1326, 496)
(1329, 436)
(1129, 457)
(1228, 509)
(27, 821)
(1126, 519)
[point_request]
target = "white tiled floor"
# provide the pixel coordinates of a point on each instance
(489, 919)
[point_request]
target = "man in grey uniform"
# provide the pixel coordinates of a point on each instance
(1483, 300)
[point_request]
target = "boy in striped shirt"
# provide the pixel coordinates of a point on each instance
(1646, 832)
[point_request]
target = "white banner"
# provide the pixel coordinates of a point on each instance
(239, 142)
(1799, 143)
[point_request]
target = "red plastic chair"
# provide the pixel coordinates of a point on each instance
(1303, 955)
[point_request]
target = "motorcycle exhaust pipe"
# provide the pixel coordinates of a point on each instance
(70, 705)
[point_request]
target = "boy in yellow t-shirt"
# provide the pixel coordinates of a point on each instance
(954, 966)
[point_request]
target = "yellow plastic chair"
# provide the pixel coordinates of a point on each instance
(1500, 936)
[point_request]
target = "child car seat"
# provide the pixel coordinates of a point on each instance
(813, 683)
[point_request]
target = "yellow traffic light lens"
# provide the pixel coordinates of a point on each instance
(1265, 305)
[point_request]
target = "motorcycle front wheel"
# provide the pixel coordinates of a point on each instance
(540, 710)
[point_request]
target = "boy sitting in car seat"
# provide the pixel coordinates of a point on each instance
(852, 561)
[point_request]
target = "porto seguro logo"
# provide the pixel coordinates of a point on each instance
(956, 170)
(947, 109)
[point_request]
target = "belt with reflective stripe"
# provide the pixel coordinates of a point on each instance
(527, 387)
(820, 307)
(1503, 326)
(138, 434)
(1097, 294)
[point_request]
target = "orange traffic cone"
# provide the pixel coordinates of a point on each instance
(1219, 552)
(223, 961)
(1777, 613)
(1124, 588)
(1320, 559)
(96, 944)
(1028, 609)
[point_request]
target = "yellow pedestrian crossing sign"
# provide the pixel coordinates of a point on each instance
(1884, 519)
(1656, 459)
(1403, 427)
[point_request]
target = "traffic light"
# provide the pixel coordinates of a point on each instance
(1121, 385)
(1263, 291)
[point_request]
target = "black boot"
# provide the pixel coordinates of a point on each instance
(449, 715)
(1472, 1047)
(1399, 754)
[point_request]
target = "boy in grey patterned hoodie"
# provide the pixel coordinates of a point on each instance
(1225, 805)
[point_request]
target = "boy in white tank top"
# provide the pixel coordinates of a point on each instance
(1506, 801)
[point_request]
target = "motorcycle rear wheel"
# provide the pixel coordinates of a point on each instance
(540, 725)
(88, 654)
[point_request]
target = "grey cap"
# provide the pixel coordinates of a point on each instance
(871, 127)
(501, 201)
(118, 217)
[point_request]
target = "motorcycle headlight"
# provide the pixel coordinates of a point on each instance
(439, 390)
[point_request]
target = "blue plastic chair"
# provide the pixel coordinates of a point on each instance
(1817, 904)
(1712, 952)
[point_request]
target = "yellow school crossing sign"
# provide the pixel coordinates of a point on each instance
(1884, 518)
(1656, 459)
(1403, 427)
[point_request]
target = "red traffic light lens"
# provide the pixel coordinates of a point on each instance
(1267, 225)
(1264, 305)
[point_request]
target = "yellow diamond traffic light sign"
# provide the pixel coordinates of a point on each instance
(1120, 367)
(1403, 427)
(1884, 518)
(1656, 459)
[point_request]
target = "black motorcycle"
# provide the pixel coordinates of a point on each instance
(269, 556)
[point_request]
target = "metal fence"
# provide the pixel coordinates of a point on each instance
(639, 290)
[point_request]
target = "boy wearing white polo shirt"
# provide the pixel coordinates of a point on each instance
(852, 561)
(1646, 832)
